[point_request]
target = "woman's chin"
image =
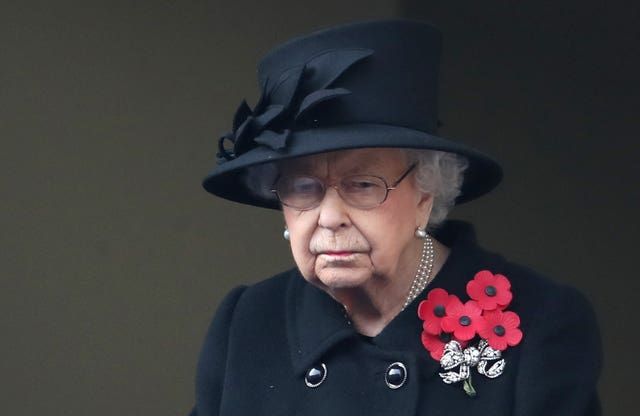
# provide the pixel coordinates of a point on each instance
(335, 278)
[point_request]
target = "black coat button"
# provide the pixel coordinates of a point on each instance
(396, 375)
(315, 375)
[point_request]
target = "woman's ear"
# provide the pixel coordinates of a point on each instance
(423, 209)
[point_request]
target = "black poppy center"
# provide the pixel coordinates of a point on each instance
(490, 291)
(444, 337)
(438, 311)
(465, 320)
(499, 330)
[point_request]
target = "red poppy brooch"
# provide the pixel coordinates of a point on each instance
(450, 328)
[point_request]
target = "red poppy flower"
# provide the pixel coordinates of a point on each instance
(462, 320)
(501, 329)
(435, 343)
(491, 291)
(433, 309)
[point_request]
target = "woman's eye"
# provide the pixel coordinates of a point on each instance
(305, 186)
(363, 185)
(360, 184)
(304, 189)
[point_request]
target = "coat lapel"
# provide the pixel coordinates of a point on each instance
(315, 323)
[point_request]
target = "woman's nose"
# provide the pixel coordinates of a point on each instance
(333, 210)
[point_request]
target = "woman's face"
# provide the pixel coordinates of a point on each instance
(337, 246)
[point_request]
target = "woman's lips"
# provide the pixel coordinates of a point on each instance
(338, 253)
(339, 256)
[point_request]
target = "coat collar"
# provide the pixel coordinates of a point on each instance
(317, 323)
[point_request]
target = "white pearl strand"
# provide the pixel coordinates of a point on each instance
(423, 275)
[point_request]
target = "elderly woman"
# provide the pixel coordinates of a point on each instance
(391, 310)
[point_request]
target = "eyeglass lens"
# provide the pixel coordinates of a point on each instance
(361, 191)
(305, 192)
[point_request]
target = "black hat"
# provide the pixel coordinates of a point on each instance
(372, 84)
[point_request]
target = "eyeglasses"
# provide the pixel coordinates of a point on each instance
(303, 192)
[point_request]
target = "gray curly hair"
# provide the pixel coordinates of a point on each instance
(437, 173)
(440, 174)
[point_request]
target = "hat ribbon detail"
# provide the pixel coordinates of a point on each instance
(287, 103)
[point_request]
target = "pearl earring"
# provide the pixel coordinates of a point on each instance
(286, 234)
(420, 232)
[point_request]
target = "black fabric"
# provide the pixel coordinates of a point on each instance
(265, 337)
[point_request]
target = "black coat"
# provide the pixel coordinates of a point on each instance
(264, 339)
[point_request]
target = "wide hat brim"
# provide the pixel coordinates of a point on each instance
(228, 180)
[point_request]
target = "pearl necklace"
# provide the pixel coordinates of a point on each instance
(423, 275)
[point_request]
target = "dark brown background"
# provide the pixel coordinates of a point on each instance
(113, 257)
